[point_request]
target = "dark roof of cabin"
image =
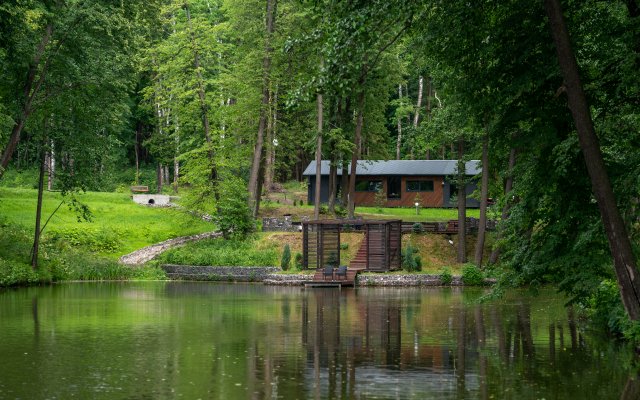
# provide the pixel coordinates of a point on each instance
(401, 167)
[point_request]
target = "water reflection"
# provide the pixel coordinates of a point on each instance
(202, 340)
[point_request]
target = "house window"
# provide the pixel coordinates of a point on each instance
(419, 186)
(393, 187)
(368, 186)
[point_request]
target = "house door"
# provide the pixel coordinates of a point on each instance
(393, 188)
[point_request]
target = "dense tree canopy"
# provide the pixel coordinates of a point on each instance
(220, 97)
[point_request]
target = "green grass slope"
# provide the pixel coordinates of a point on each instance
(118, 226)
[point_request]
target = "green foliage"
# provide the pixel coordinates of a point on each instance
(285, 261)
(14, 273)
(298, 261)
(217, 252)
(344, 246)
(445, 276)
(411, 261)
(416, 227)
(472, 275)
(340, 211)
(332, 259)
(233, 216)
(91, 238)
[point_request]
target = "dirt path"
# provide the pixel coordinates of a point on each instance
(148, 253)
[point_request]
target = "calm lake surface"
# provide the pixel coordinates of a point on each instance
(165, 340)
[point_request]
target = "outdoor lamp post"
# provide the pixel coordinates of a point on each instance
(417, 208)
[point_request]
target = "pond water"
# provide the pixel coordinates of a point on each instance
(165, 340)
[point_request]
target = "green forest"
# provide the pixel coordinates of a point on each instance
(223, 102)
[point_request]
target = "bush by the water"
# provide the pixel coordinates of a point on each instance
(286, 258)
(299, 261)
(220, 252)
(472, 276)
(411, 261)
(445, 276)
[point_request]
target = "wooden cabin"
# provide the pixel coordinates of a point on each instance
(431, 183)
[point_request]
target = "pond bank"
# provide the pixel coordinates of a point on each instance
(270, 276)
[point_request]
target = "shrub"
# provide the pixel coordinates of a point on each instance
(411, 261)
(416, 227)
(344, 246)
(324, 209)
(16, 273)
(295, 202)
(332, 259)
(286, 258)
(471, 275)
(298, 261)
(234, 218)
(340, 211)
(445, 276)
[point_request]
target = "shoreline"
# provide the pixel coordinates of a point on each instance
(269, 276)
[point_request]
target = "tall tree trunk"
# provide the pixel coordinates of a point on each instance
(137, 151)
(619, 243)
(270, 147)
(357, 139)
(258, 151)
(495, 253)
(333, 177)
(462, 205)
(316, 202)
(36, 236)
(399, 139)
(416, 116)
(429, 89)
(159, 177)
(484, 193)
(204, 106)
(29, 92)
(51, 166)
(344, 183)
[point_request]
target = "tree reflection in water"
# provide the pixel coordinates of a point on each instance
(220, 341)
(357, 340)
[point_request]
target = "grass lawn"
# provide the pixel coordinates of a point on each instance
(119, 226)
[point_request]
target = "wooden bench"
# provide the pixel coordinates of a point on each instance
(139, 189)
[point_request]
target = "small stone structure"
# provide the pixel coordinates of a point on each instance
(284, 224)
(152, 199)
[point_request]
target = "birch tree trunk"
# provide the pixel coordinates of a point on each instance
(484, 192)
(416, 116)
(51, 166)
(316, 202)
(623, 258)
(254, 194)
(399, 139)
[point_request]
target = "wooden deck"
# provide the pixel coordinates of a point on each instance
(319, 280)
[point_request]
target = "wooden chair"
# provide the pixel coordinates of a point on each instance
(328, 271)
(341, 272)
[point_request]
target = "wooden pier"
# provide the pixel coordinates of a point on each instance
(319, 280)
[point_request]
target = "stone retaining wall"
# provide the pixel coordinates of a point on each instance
(269, 276)
(233, 274)
(403, 280)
